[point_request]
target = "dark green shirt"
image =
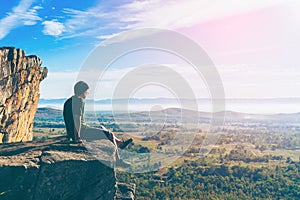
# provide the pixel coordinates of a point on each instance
(73, 106)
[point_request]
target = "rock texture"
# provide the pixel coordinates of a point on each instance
(20, 78)
(56, 169)
(125, 191)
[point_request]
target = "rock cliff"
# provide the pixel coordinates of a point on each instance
(20, 78)
(56, 169)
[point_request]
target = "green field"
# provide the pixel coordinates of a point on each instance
(252, 159)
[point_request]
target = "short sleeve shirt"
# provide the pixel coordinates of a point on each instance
(73, 106)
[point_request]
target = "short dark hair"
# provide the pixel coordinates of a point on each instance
(80, 87)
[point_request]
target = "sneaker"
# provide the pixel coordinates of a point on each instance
(125, 143)
(79, 141)
(122, 163)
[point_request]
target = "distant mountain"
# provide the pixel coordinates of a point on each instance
(48, 110)
(48, 113)
(190, 115)
(177, 114)
(172, 100)
(109, 101)
(52, 101)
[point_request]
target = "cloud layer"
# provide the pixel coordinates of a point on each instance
(21, 15)
(107, 19)
(168, 14)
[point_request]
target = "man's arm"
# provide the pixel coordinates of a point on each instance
(77, 127)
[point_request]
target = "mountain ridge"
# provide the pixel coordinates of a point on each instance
(229, 115)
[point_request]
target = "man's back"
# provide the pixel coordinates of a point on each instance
(73, 106)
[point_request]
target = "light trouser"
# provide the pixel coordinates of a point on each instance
(92, 133)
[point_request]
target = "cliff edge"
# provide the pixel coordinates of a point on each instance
(56, 169)
(20, 78)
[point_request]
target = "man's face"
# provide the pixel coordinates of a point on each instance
(84, 95)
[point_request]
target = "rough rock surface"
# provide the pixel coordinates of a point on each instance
(125, 191)
(55, 169)
(20, 78)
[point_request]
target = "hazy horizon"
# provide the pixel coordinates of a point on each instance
(252, 106)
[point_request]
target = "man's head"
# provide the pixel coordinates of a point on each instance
(80, 89)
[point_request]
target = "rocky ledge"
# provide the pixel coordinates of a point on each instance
(55, 169)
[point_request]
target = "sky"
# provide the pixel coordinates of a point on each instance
(254, 44)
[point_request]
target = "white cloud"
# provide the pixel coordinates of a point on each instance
(58, 85)
(104, 23)
(89, 22)
(20, 15)
(53, 28)
(125, 36)
(249, 82)
(180, 14)
(104, 37)
(31, 17)
(105, 86)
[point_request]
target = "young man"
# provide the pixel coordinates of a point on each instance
(73, 113)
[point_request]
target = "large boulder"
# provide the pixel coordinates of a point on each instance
(20, 78)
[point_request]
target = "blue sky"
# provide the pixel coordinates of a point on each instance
(254, 44)
(52, 30)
